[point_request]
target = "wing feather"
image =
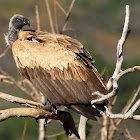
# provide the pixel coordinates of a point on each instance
(59, 66)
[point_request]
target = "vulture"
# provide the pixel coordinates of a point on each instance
(58, 66)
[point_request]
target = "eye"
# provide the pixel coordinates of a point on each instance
(18, 19)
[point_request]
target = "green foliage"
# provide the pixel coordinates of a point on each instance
(13, 129)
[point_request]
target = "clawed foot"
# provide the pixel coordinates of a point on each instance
(50, 107)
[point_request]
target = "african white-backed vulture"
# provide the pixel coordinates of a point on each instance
(57, 65)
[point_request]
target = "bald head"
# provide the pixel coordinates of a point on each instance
(18, 21)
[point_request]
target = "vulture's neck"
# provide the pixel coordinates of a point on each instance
(12, 34)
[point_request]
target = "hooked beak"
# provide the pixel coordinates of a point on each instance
(26, 21)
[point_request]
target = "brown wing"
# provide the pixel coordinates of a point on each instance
(59, 66)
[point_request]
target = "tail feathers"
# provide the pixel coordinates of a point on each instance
(86, 110)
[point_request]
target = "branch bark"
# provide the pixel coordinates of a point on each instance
(82, 127)
(38, 111)
(120, 48)
(50, 16)
(37, 17)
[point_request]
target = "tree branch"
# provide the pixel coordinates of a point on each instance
(50, 16)
(82, 127)
(37, 17)
(129, 103)
(67, 16)
(38, 111)
(5, 77)
(128, 115)
(120, 47)
(4, 52)
(24, 112)
(21, 101)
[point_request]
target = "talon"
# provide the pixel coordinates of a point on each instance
(36, 119)
(50, 107)
(45, 122)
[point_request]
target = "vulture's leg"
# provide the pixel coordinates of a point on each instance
(50, 107)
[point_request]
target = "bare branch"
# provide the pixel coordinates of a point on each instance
(129, 114)
(131, 100)
(61, 8)
(67, 16)
(38, 111)
(115, 85)
(64, 117)
(54, 135)
(42, 123)
(104, 97)
(135, 68)
(55, 16)
(119, 48)
(37, 17)
(24, 112)
(20, 101)
(5, 77)
(82, 127)
(42, 129)
(128, 135)
(70, 8)
(4, 52)
(50, 16)
(24, 131)
(34, 91)
(104, 127)
(117, 73)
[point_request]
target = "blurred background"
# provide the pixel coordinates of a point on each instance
(98, 26)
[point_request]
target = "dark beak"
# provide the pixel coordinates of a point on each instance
(26, 21)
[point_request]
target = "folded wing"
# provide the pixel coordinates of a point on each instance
(58, 66)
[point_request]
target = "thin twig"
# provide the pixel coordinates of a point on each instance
(105, 97)
(115, 85)
(61, 8)
(55, 135)
(67, 16)
(24, 130)
(42, 123)
(37, 17)
(5, 77)
(133, 69)
(34, 91)
(55, 16)
(4, 52)
(128, 135)
(128, 115)
(131, 100)
(104, 127)
(20, 101)
(50, 16)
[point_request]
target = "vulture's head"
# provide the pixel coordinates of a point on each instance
(16, 23)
